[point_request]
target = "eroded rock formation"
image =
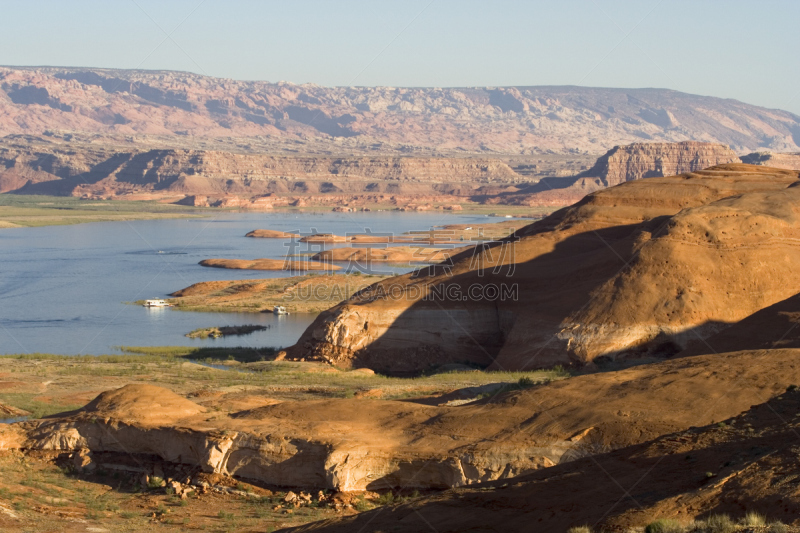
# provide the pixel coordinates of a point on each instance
(656, 160)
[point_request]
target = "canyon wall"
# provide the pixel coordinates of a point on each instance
(38, 165)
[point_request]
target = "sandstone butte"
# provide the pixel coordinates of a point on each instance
(268, 264)
(645, 268)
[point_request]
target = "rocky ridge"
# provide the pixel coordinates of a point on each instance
(127, 103)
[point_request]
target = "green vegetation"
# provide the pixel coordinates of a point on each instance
(580, 529)
(36, 407)
(34, 210)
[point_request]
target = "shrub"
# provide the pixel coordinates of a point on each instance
(754, 519)
(720, 523)
(777, 527)
(663, 525)
(580, 529)
(525, 382)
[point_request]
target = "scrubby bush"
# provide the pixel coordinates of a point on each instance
(663, 525)
(754, 519)
(720, 523)
(777, 527)
(580, 529)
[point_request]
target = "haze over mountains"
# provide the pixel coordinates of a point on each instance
(512, 120)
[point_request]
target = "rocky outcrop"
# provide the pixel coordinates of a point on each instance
(644, 268)
(127, 104)
(655, 160)
(774, 160)
(743, 463)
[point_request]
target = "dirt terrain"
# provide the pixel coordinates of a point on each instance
(644, 268)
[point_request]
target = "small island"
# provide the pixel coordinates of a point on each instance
(268, 264)
(224, 331)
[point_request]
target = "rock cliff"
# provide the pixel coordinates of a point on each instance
(643, 268)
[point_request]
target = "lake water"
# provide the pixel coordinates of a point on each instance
(63, 288)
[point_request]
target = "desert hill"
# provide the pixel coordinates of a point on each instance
(776, 326)
(514, 120)
(746, 463)
(643, 268)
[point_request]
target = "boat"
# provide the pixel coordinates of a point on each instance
(280, 310)
(156, 303)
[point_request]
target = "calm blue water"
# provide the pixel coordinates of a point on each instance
(63, 288)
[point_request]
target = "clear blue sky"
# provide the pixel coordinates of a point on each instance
(748, 50)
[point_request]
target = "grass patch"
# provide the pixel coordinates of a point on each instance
(36, 408)
(37, 210)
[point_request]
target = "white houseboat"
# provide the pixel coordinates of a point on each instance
(156, 303)
(280, 310)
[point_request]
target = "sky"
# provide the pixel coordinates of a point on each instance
(747, 50)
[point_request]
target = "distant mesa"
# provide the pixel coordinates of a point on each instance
(130, 104)
(267, 264)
